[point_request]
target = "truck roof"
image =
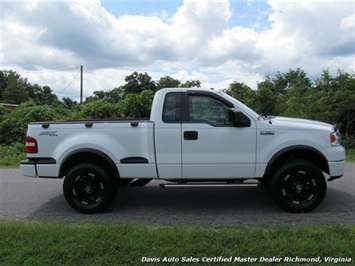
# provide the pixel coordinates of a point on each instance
(189, 89)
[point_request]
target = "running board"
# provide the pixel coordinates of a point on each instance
(201, 185)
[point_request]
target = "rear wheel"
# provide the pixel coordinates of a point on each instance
(298, 186)
(89, 188)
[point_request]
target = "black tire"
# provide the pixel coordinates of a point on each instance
(298, 186)
(89, 188)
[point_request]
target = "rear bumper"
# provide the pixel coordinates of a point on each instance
(40, 167)
(28, 169)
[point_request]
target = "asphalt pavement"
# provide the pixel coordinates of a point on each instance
(33, 199)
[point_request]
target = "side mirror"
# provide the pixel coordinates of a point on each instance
(237, 118)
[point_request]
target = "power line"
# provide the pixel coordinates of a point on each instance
(69, 83)
(51, 71)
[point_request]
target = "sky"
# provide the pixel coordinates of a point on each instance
(217, 41)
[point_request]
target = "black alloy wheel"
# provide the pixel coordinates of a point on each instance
(298, 186)
(89, 188)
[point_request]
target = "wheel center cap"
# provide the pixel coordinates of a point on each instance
(299, 188)
(87, 189)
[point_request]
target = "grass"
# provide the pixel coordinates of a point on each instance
(10, 156)
(9, 162)
(350, 155)
(128, 244)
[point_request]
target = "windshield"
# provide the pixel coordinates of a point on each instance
(240, 105)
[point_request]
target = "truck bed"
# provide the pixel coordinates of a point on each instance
(118, 138)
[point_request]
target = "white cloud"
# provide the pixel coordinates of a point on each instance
(307, 34)
(195, 42)
(196, 21)
(235, 44)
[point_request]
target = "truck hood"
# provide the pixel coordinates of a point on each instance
(301, 124)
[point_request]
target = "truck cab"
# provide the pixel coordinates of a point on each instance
(197, 139)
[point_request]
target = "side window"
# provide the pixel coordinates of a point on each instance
(172, 108)
(204, 109)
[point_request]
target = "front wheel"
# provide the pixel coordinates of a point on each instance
(89, 188)
(298, 186)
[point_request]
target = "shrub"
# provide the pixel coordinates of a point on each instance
(16, 150)
(3, 111)
(348, 141)
(10, 156)
(97, 109)
(14, 124)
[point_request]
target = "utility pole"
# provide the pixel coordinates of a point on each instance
(81, 84)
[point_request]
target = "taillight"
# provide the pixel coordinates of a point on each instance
(31, 145)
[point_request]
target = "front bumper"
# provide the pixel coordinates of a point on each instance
(336, 169)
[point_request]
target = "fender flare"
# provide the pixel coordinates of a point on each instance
(322, 164)
(87, 152)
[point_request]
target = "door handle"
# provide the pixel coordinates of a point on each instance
(190, 135)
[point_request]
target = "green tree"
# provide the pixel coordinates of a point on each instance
(285, 94)
(3, 112)
(345, 102)
(41, 95)
(69, 103)
(48, 96)
(138, 82)
(138, 105)
(267, 99)
(15, 91)
(33, 93)
(168, 82)
(115, 95)
(3, 83)
(191, 84)
(243, 93)
(112, 96)
(320, 99)
(98, 95)
(294, 87)
(333, 99)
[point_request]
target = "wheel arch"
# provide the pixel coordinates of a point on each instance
(87, 155)
(298, 152)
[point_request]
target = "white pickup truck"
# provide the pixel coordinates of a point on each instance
(195, 137)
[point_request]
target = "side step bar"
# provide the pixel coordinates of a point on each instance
(201, 185)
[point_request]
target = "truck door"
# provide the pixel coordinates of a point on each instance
(212, 148)
(168, 137)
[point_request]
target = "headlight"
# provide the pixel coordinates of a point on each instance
(335, 138)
